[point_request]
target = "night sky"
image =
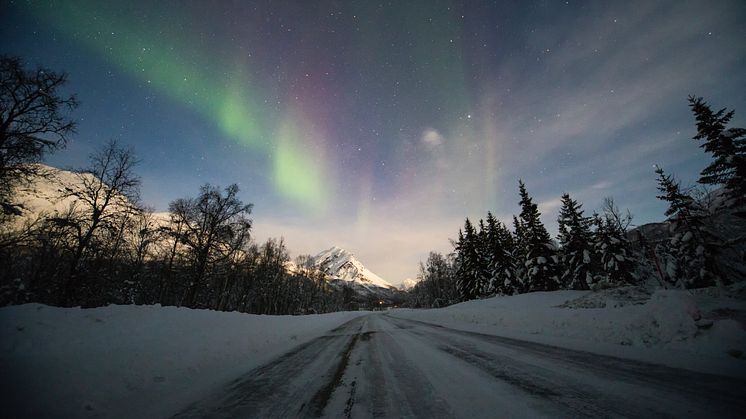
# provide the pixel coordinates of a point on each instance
(379, 126)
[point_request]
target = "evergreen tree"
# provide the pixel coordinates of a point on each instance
(690, 254)
(519, 257)
(539, 251)
(728, 149)
(575, 245)
(501, 264)
(484, 273)
(468, 274)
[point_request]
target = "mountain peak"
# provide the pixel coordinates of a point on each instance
(408, 284)
(342, 264)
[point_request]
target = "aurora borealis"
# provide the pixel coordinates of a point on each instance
(379, 126)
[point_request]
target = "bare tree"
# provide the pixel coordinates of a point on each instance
(32, 120)
(145, 233)
(105, 193)
(620, 220)
(214, 226)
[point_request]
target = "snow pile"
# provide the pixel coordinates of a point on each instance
(130, 361)
(669, 321)
(670, 316)
(611, 297)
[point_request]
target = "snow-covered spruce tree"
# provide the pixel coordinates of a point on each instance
(519, 257)
(612, 248)
(457, 261)
(483, 264)
(689, 256)
(468, 274)
(501, 265)
(576, 247)
(728, 149)
(539, 251)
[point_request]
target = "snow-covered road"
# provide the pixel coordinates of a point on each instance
(381, 366)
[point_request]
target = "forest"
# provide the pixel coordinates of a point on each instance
(701, 244)
(106, 247)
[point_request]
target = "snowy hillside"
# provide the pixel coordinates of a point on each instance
(51, 192)
(341, 264)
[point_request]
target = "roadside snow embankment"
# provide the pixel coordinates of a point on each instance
(670, 327)
(135, 361)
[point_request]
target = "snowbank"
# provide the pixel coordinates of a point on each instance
(668, 327)
(134, 361)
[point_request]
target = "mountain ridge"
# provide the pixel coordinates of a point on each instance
(341, 264)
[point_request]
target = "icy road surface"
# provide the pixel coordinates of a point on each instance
(380, 366)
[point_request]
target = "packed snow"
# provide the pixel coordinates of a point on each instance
(702, 331)
(135, 361)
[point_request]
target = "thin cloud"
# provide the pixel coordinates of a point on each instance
(604, 184)
(431, 138)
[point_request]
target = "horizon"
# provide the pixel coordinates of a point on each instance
(380, 129)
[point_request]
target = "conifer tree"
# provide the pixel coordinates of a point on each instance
(484, 253)
(468, 275)
(539, 251)
(690, 254)
(519, 257)
(575, 245)
(728, 149)
(501, 264)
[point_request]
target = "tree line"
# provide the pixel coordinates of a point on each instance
(599, 251)
(106, 247)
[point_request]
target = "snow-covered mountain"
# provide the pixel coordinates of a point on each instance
(408, 284)
(52, 191)
(342, 265)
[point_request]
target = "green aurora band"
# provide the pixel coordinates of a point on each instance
(177, 68)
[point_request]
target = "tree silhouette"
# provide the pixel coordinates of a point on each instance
(576, 250)
(33, 120)
(213, 226)
(728, 149)
(105, 195)
(538, 250)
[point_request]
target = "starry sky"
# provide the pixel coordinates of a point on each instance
(378, 126)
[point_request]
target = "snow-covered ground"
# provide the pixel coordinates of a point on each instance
(152, 361)
(704, 331)
(135, 361)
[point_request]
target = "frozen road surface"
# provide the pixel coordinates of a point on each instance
(381, 366)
